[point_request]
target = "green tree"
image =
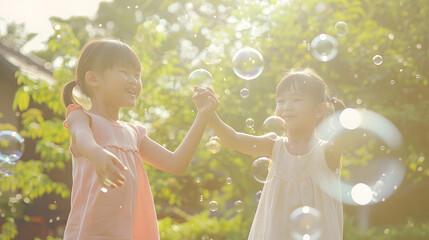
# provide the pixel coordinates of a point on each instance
(170, 37)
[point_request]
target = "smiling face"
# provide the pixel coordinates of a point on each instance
(301, 100)
(120, 86)
(297, 109)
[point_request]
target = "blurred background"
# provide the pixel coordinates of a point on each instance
(372, 54)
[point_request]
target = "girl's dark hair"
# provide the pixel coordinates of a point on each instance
(99, 55)
(307, 81)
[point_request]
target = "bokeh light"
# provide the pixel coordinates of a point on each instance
(361, 194)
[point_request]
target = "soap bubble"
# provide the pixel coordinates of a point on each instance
(244, 93)
(11, 146)
(213, 206)
(324, 47)
(239, 206)
(250, 122)
(306, 223)
(258, 195)
(247, 63)
(201, 77)
(228, 180)
(341, 28)
(377, 59)
(213, 144)
(260, 169)
(6, 169)
(274, 124)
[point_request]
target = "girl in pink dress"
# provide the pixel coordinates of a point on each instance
(305, 170)
(111, 197)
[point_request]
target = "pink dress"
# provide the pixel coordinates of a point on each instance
(124, 213)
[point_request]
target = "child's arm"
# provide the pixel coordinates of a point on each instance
(178, 161)
(242, 142)
(106, 164)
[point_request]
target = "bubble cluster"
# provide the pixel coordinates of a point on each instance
(248, 63)
(260, 169)
(324, 47)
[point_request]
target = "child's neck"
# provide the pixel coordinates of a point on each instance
(110, 113)
(300, 142)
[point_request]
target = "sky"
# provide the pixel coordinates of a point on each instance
(36, 13)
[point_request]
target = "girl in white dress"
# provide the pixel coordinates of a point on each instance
(305, 170)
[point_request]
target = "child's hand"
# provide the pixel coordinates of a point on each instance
(205, 100)
(107, 167)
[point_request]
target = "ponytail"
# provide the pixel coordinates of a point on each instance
(68, 94)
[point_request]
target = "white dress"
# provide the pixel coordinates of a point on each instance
(295, 181)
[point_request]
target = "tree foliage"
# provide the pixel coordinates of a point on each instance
(170, 37)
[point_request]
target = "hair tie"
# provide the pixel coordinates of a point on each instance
(331, 100)
(76, 82)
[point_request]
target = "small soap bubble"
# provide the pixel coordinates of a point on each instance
(248, 63)
(324, 47)
(250, 122)
(377, 59)
(11, 146)
(213, 145)
(244, 93)
(260, 168)
(341, 28)
(238, 206)
(213, 206)
(228, 180)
